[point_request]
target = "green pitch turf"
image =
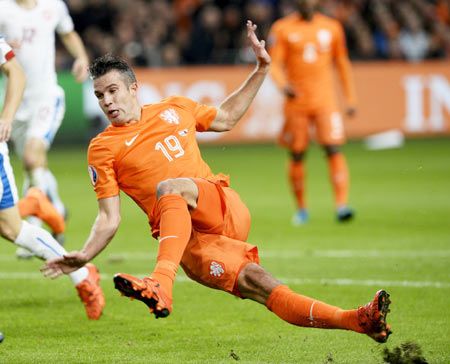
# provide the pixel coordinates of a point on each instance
(400, 241)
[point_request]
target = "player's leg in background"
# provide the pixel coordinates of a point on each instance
(330, 132)
(40, 136)
(32, 138)
(255, 283)
(340, 180)
(297, 177)
(294, 136)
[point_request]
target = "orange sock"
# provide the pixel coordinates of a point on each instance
(339, 178)
(37, 204)
(174, 233)
(297, 178)
(306, 312)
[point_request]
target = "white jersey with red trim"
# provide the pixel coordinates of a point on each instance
(31, 33)
(6, 53)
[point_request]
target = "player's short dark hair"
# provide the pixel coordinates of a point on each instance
(109, 62)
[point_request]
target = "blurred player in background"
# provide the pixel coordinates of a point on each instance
(30, 26)
(152, 155)
(29, 237)
(304, 47)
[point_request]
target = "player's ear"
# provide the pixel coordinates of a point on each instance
(133, 88)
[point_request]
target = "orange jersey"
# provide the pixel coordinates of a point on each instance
(303, 54)
(162, 145)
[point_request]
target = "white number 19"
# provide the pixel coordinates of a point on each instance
(173, 145)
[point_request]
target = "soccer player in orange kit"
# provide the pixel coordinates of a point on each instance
(304, 46)
(151, 154)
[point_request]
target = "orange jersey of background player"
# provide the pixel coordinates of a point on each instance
(161, 145)
(303, 53)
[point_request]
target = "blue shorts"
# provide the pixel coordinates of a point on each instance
(8, 189)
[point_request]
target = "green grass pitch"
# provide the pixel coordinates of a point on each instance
(399, 241)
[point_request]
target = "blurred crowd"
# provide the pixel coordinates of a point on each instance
(164, 33)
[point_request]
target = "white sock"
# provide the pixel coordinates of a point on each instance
(33, 220)
(52, 191)
(44, 246)
(38, 179)
(26, 184)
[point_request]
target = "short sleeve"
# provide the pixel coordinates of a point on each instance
(6, 53)
(203, 114)
(101, 170)
(65, 22)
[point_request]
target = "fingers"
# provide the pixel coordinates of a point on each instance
(251, 28)
(5, 131)
(51, 272)
(79, 71)
(251, 31)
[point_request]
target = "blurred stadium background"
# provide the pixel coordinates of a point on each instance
(400, 49)
(400, 239)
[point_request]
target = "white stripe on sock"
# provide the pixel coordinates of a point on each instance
(167, 237)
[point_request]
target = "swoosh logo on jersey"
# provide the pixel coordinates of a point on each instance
(128, 143)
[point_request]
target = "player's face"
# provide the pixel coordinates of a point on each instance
(116, 97)
(306, 8)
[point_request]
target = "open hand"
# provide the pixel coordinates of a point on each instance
(68, 263)
(259, 47)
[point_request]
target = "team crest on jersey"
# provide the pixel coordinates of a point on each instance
(324, 38)
(170, 116)
(93, 174)
(216, 269)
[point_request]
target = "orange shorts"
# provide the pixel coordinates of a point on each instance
(326, 123)
(217, 250)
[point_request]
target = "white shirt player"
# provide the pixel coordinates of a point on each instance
(33, 32)
(7, 184)
(6, 53)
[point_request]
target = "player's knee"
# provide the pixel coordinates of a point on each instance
(331, 149)
(184, 187)
(8, 230)
(297, 156)
(29, 162)
(249, 276)
(167, 187)
(256, 283)
(34, 155)
(32, 161)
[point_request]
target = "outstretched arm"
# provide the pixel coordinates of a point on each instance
(13, 96)
(103, 230)
(74, 45)
(235, 105)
